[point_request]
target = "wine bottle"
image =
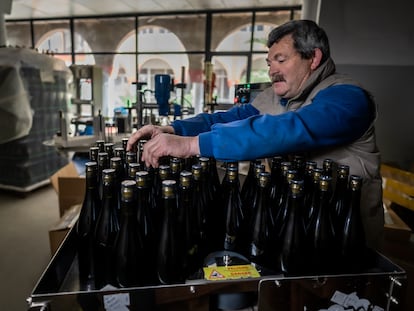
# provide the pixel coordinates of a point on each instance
(107, 228)
(116, 164)
(262, 230)
(130, 157)
(187, 224)
(248, 188)
(323, 245)
(103, 163)
(129, 261)
(276, 183)
(133, 168)
(93, 154)
(234, 216)
(85, 226)
(200, 205)
(169, 263)
(119, 152)
(340, 200)
(176, 167)
(292, 260)
(280, 220)
(145, 220)
(109, 149)
(353, 246)
(313, 194)
(100, 143)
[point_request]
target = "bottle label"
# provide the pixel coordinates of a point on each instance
(216, 273)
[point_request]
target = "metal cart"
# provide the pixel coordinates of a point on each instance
(380, 287)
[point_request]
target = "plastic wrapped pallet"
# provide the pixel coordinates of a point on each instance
(33, 89)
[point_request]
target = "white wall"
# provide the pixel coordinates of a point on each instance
(374, 42)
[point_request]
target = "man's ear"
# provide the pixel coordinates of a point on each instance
(316, 59)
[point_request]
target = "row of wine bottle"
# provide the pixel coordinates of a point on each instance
(145, 226)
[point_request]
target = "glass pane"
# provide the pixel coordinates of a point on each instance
(105, 34)
(265, 22)
(231, 32)
(18, 34)
(171, 33)
(67, 58)
(259, 71)
(52, 36)
(122, 90)
(229, 71)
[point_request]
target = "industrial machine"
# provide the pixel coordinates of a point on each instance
(245, 93)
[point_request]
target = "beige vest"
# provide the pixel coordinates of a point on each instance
(362, 155)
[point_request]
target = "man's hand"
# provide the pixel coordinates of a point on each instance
(169, 145)
(147, 132)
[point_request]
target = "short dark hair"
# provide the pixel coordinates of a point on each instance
(306, 35)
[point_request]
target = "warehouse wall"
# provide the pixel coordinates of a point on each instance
(373, 40)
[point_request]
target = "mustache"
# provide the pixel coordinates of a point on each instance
(277, 78)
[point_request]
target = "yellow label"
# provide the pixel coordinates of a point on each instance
(230, 272)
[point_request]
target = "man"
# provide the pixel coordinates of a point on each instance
(309, 109)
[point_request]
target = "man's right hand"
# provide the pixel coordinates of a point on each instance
(147, 132)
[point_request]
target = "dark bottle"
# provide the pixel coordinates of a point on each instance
(308, 181)
(280, 220)
(109, 149)
(200, 205)
(129, 263)
(248, 189)
(101, 145)
(292, 258)
(187, 224)
(230, 165)
(328, 167)
(276, 180)
(262, 231)
(163, 172)
(120, 153)
(176, 167)
(312, 194)
(145, 222)
(116, 164)
(169, 263)
(107, 228)
(124, 142)
(322, 243)
(85, 226)
(353, 245)
(235, 221)
(103, 163)
(214, 206)
(141, 144)
(214, 177)
(340, 200)
(93, 154)
(130, 157)
(299, 164)
(133, 168)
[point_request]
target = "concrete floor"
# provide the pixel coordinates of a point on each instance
(24, 225)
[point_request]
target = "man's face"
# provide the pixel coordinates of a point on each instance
(287, 70)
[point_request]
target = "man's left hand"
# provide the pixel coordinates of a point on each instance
(169, 145)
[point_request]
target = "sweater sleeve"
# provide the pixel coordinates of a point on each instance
(337, 115)
(203, 122)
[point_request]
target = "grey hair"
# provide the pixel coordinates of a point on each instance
(306, 35)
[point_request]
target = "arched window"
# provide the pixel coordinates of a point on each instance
(58, 41)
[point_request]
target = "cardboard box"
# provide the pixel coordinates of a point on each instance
(69, 186)
(395, 229)
(59, 231)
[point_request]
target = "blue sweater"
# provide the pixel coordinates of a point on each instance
(337, 115)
